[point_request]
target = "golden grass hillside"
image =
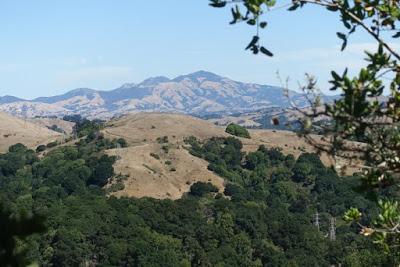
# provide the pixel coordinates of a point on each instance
(66, 126)
(165, 169)
(15, 130)
(156, 168)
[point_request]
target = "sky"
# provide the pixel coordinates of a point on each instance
(49, 47)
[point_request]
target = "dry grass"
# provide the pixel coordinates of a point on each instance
(66, 126)
(136, 128)
(14, 130)
(152, 177)
(149, 176)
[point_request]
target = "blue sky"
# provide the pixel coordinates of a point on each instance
(49, 47)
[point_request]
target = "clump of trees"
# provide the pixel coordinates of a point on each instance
(40, 148)
(200, 189)
(84, 126)
(55, 128)
(237, 130)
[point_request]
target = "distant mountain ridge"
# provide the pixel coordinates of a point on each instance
(197, 93)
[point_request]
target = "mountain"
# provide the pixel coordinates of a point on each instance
(9, 99)
(197, 93)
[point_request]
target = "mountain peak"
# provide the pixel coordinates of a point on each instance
(70, 94)
(155, 80)
(81, 91)
(9, 99)
(126, 86)
(201, 74)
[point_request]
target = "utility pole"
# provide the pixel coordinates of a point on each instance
(316, 220)
(332, 230)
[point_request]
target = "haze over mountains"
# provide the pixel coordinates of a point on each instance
(198, 93)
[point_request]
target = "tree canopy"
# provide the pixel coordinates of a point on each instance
(264, 217)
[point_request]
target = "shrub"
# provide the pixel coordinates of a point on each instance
(155, 155)
(237, 130)
(162, 140)
(165, 148)
(17, 148)
(116, 187)
(200, 189)
(233, 189)
(122, 142)
(40, 148)
(55, 128)
(168, 162)
(52, 144)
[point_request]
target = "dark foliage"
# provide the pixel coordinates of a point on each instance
(237, 130)
(264, 218)
(200, 189)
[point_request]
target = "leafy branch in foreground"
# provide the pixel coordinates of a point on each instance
(363, 122)
(16, 227)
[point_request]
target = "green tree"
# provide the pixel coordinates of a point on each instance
(200, 189)
(361, 113)
(14, 227)
(237, 130)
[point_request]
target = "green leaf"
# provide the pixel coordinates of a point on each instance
(255, 49)
(397, 35)
(335, 76)
(344, 38)
(341, 35)
(352, 214)
(294, 7)
(253, 42)
(266, 51)
(263, 24)
(332, 8)
(270, 3)
(236, 15)
(251, 22)
(217, 3)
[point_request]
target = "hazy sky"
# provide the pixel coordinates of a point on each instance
(49, 47)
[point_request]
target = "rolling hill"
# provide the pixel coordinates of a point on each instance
(156, 162)
(153, 171)
(161, 167)
(14, 130)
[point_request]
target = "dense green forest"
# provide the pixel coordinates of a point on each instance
(265, 216)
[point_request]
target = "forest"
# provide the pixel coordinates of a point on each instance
(266, 215)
